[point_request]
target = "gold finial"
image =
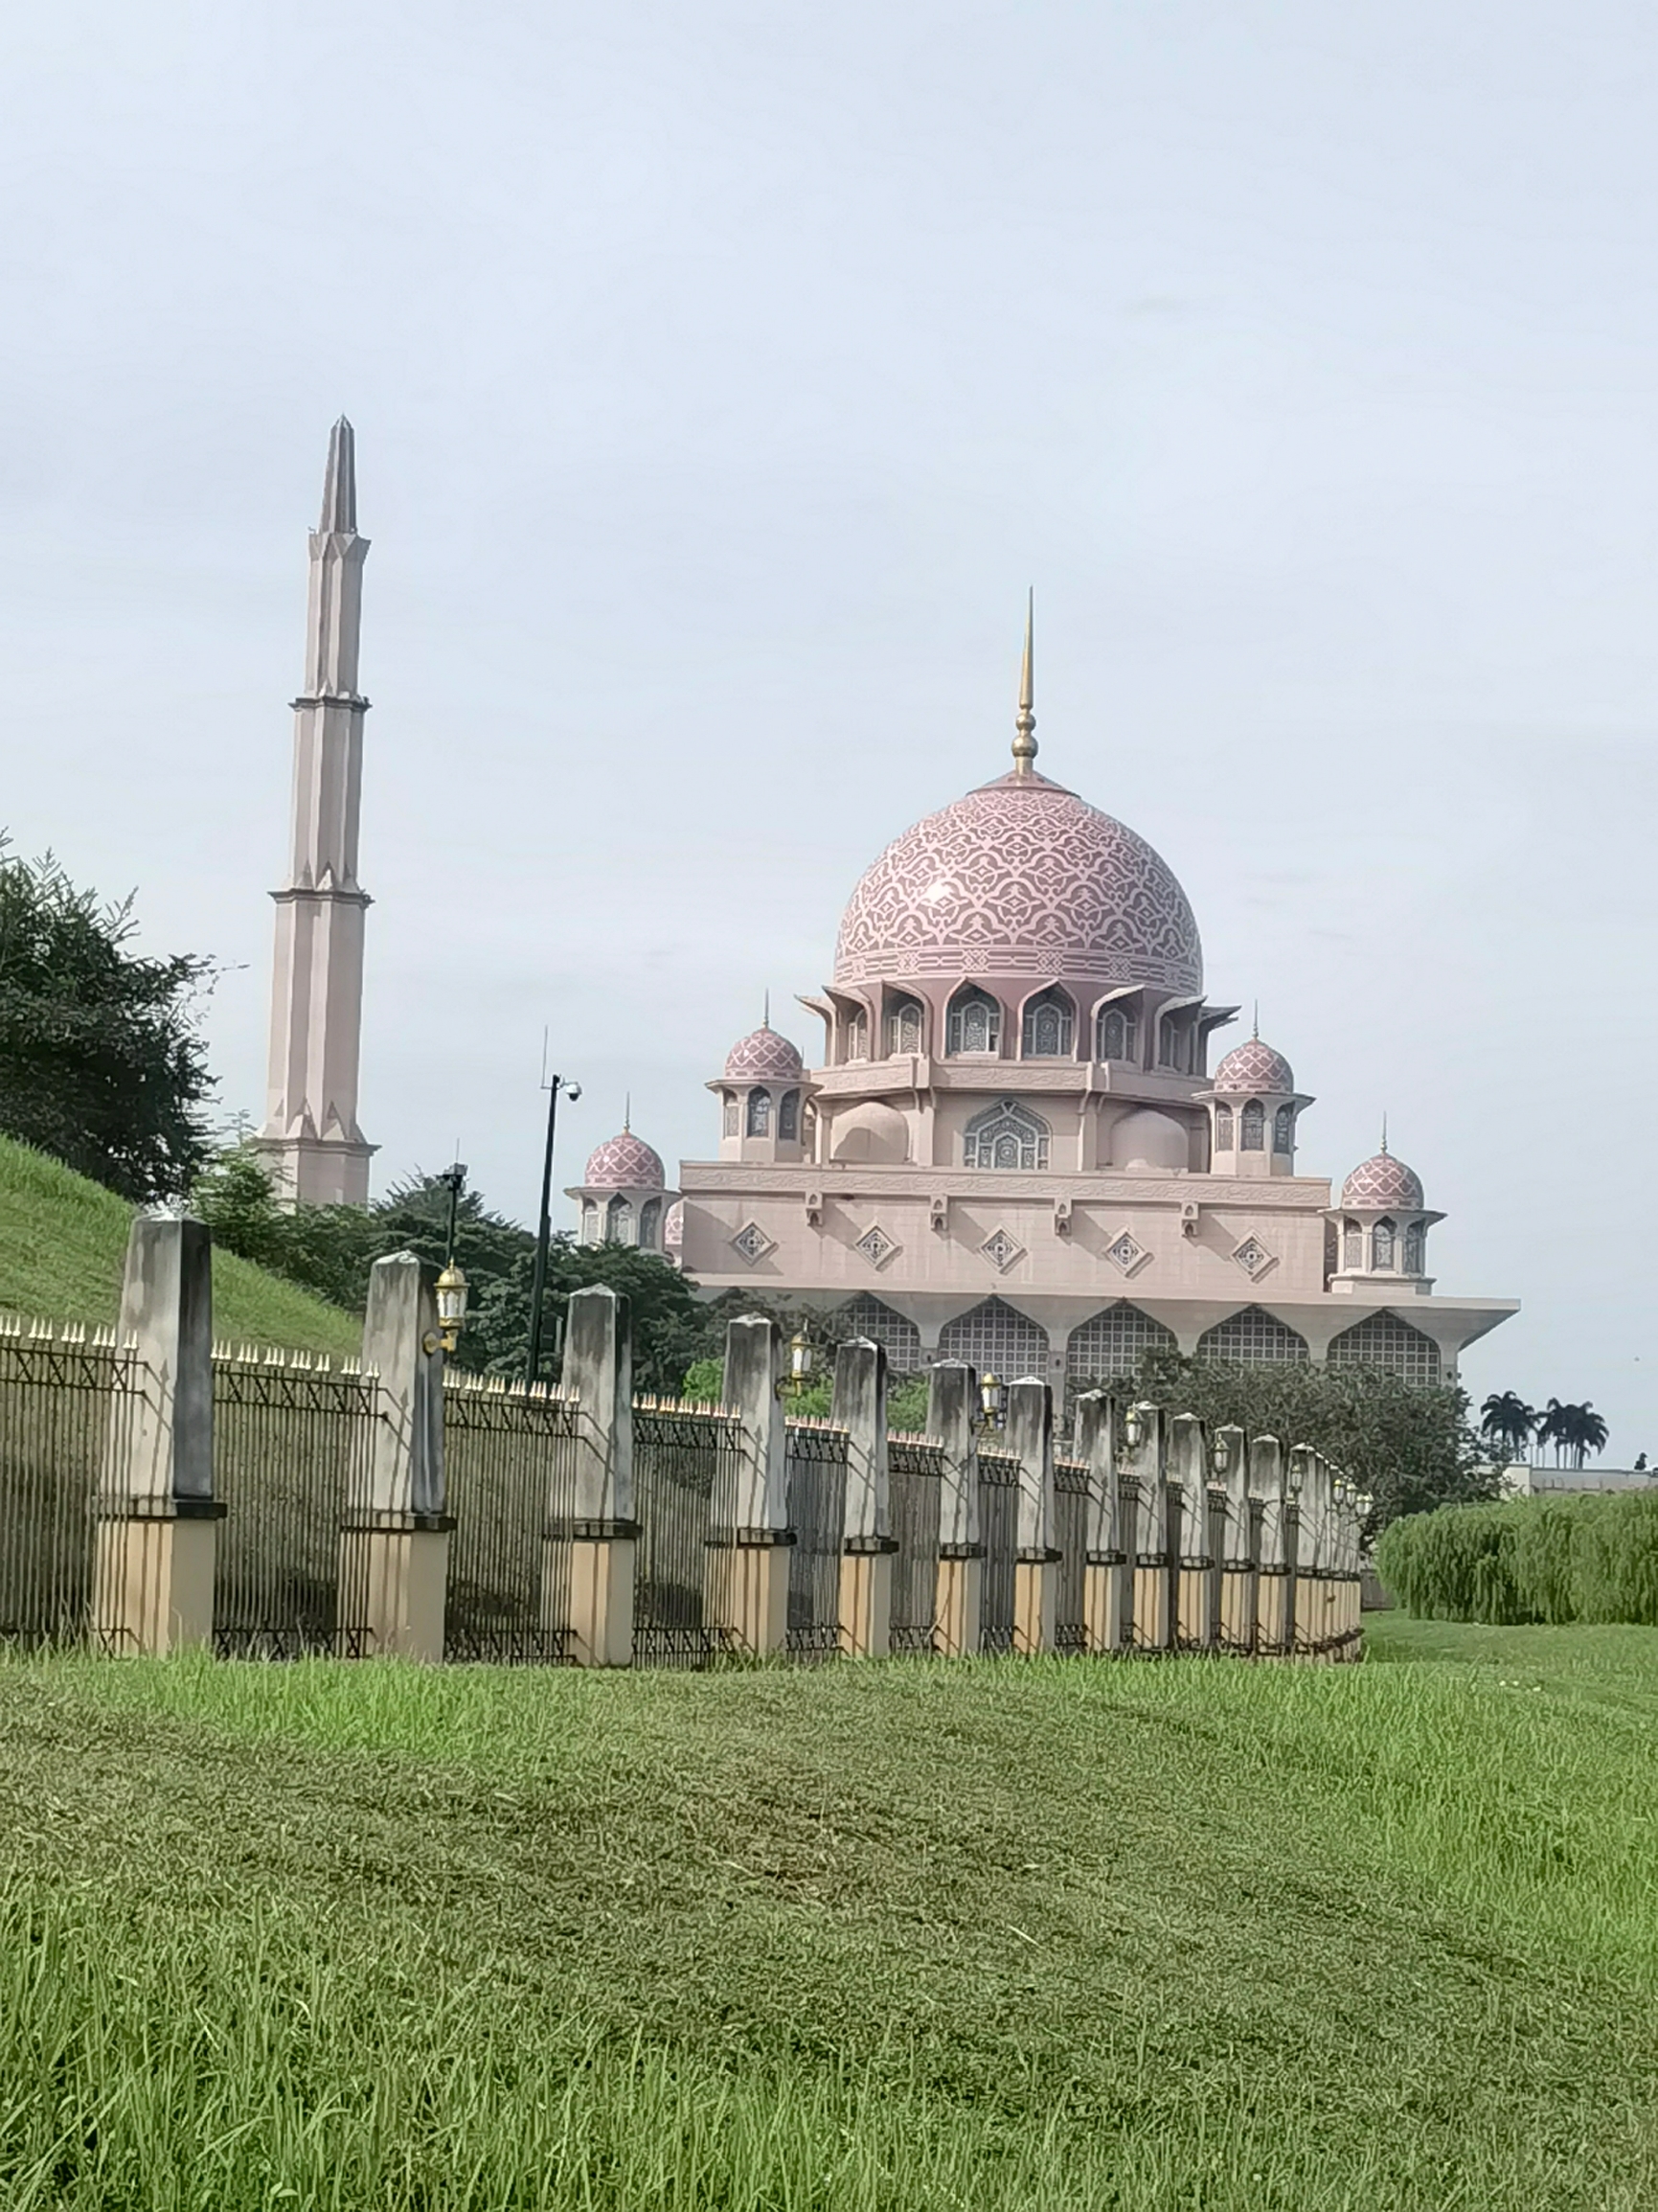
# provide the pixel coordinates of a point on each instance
(1256, 1030)
(1384, 1132)
(765, 1014)
(627, 1113)
(1025, 722)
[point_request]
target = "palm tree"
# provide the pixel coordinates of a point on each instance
(1507, 1424)
(1554, 1424)
(1573, 1430)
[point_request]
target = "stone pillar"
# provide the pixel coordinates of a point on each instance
(749, 1556)
(1144, 1467)
(1103, 1577)
(952, 1411)
(1030, 1437)
(859, 1406)
(1232, 1545)
(1269, 1484)
(1296, 1607)
(395, 1544)
(598, 1546)
(1189, 1474)
(153, 1542)
(1315, 1591)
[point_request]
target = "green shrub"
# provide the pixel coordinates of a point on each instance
(1554, 1559)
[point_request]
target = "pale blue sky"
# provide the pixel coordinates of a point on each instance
(722, 375)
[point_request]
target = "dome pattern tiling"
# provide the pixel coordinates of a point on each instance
(1021, 877)
(1253, 1066)
(762, 1057)
(626, 1163)
(1382, 1182)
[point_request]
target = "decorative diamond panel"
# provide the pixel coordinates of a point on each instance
(753, 1243)
(1383, 1340)
(1253, 1257)
(1128, 1252)
(876, 1245)
(1002, 1250)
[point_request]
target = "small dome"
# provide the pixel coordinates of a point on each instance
(673, 1226)
(626, 1163)
(764, 1057)
(1383, 1181)
(1253, 1067)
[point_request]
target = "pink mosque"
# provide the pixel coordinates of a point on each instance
(1012, 1150)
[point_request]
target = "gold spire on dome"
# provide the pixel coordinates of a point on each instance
(1384, 1132)
(1025, 722)
(627, 1113)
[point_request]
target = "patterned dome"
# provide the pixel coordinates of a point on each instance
(626, 1163)
(1022, 878)
(763, 1057)
(1383, 1181)
(1253, 1066)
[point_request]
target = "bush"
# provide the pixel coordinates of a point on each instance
(1557, 1560)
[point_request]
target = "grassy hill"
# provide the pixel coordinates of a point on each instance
(1058, 1936)
(63, 1241)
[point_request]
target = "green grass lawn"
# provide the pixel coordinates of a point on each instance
(1187, 1934)
(61, 1251)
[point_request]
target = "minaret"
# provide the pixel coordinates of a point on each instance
(318, 1153)
(1025, 722)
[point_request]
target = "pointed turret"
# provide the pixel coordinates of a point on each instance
(1025, 722)
(319, 1155)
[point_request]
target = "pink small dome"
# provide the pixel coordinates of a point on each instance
(1383, 1181)
(673, 1226)
(626, 1163)
(764, 1057)
(1253, 1066)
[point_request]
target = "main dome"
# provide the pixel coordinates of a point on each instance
(1020, 877)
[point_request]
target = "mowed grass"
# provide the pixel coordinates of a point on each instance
(912, 1936)
(63, 1241)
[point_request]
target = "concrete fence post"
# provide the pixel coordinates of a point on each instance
(1096, 1446)
(394, 1543)
(1232, 1558)
(1030, 1437)
(952, 1416)
(1268, 1485)
(1296, 1531)
(1188, 1511)
(748, 1554)
(1145, 1469)
(860, 1405)
(154, 1539)
(603, 1530)
(1317, 1589)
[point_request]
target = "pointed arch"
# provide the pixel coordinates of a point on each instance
(1008, 1134)
(867, 1315)
(995, 1339)
(1383, 1340)
(1112, 1343)
(1252, 1337)
(974, 1024)
(1049, 1028)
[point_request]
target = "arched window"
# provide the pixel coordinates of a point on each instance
(867, 1316)
(975, 1023)
(1113, 1343)
(732, 1121)
(1283, 1129)
(650, 1224)
(1383, 1340)
(903, 1026)
(1381, 1245)
(996, 1339)
(619, 1221)
(1415, 1249)
(1351, 1245)
(1006, 1135)
(789, 1118)
(1169, 1043)
(760, 1114)
(1252, 1338)
(1118, 1036)
(858, 1034)
(1223, 1129)
(589, 1222)
(1050, 1026)
(1252, 1127)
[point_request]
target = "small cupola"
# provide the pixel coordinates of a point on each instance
(1254, 1108)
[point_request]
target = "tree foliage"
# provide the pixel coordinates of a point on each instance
(101, 1063)
(1529, 1560)
(1409, 1445)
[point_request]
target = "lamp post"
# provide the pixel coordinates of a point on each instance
(800, 1359)
(544, 1230)
(993, 1403)
(451, 1285)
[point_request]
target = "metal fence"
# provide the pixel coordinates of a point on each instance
(817, 1503)
(61, 1397)
(509, 1457)
(915, 1471)
(999, 1533)
(685, 1468)
(292, 1453)
(1070, 1541)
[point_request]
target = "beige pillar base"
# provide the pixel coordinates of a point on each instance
(866, 1604)
(1035, 1594)
(1150, 1608)
(597, 1606)
(393, 1580)
(958, 1608)
(748, 1592)
(1099, 1587)
(1193, 1609)
(152, 1584)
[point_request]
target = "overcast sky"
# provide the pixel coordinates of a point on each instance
(722, 375)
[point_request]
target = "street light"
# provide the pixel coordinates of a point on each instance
(1221, 1455)
(801, 1361)
(1131, 1429)
(544, 1231)
(992, 1401)
(451, 1306)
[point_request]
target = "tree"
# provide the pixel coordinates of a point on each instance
(1573, 1430)
(102, 1062)
(1408, 1443)
(1507, 1424)
(672, 1326)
